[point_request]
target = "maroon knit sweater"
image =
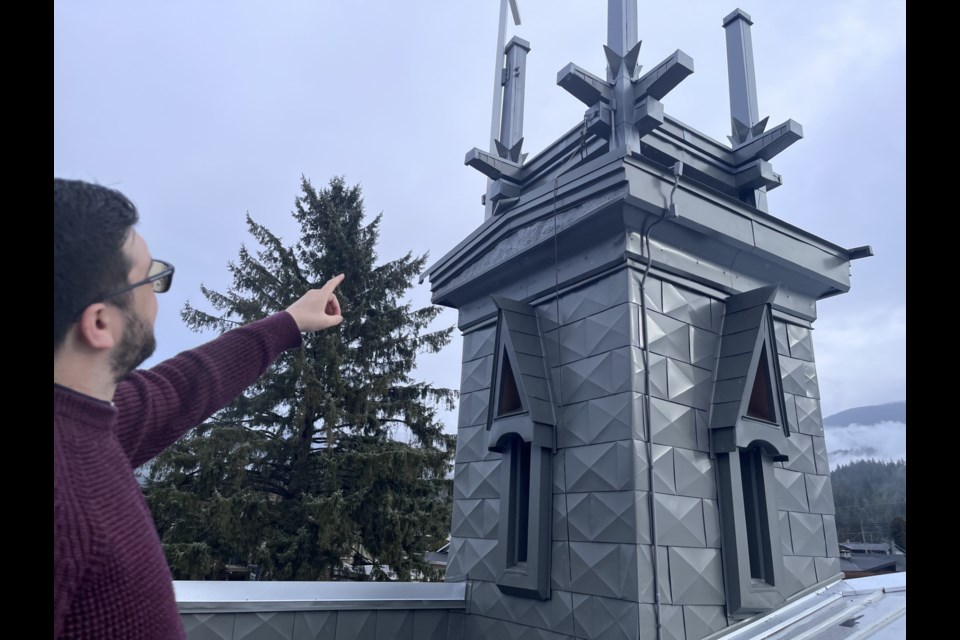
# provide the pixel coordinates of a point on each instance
(110, 578)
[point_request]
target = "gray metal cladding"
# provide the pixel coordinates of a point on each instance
(610, 570)
(809, 418)
(208, 626)
(610, 516)
(610, 466)
(711, 523)
(473, 480)
(694, 474)
(799, 573)
(791, 490)
(476, 374)
(476, 518)
(601, 332)
(679, 521)
(668, 337)
(826, 568)
(479, 558)
(820, 494)
(553, 614)
(786, 543)
(801, 342)
(606, 618)
(673, 424)
(265, 626)
(609, 373)
(830, 530)
(696, 576)
(606, 419)
(807, 534)
(687, 306)
(701, 621)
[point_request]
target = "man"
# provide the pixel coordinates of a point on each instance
(110, 577)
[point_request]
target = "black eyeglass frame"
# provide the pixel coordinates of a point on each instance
(161, 281)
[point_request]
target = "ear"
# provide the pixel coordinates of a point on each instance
(98, 327)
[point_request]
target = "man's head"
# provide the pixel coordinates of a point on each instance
(104, 280)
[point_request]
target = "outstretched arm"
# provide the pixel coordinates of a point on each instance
(157, 406)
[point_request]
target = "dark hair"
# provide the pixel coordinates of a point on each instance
(90, 225)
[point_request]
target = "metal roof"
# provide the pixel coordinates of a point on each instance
(874, 607)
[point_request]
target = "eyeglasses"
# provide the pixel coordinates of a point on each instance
(160, 276)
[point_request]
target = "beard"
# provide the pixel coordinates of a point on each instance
(136, 345)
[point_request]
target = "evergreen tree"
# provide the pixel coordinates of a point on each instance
(335, 453)
(868, 494)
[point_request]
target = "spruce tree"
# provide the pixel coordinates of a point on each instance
(336, 453)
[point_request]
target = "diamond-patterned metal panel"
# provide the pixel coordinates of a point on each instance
(560, 516)
(807, 535)
(594, 298)
(783, 343)
(455, 625)
(315, 625)
(605, 618)
(560, 566)
(475, 374)
(820, 455)
(607, 419)
(208, 626)
(395, 625)
(704, 348)
(610, 466)
(658, 376)
(701, 621)
(790, 402)
(663, 572)
(830, 532)
(800, 451)
(482, 628)
(786, 544)
(663, 476)
(673, 424)
(653, 290)
(687, 306)
(703, 431)
(472, 445)
(478, 558)
(668, 337)
(689, 385)
(610, 516)
(799, 377)
(431, 625)
(694, 474)
(611, 329)
(711, 523)
(801, 342)
(603, 375)
(799, 573)
(553, 614)
(820, 493)
(826, 568)
(696, 576)
(809, 419)
(356, 625)
(264, 626)
(479, 343)
(473, 480)
(671, 620)
(603, 569)
(717, 311)
(475, 518)
(679, 521)
(791, 491)
(473, 408)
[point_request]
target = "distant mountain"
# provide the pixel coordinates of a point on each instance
(890, 412)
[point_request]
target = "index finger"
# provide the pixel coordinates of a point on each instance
(332, 284)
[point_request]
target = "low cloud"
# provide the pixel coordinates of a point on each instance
(882, 441)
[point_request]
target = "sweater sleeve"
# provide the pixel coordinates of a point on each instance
(157, 406)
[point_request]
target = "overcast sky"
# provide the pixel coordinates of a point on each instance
(203, 111)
